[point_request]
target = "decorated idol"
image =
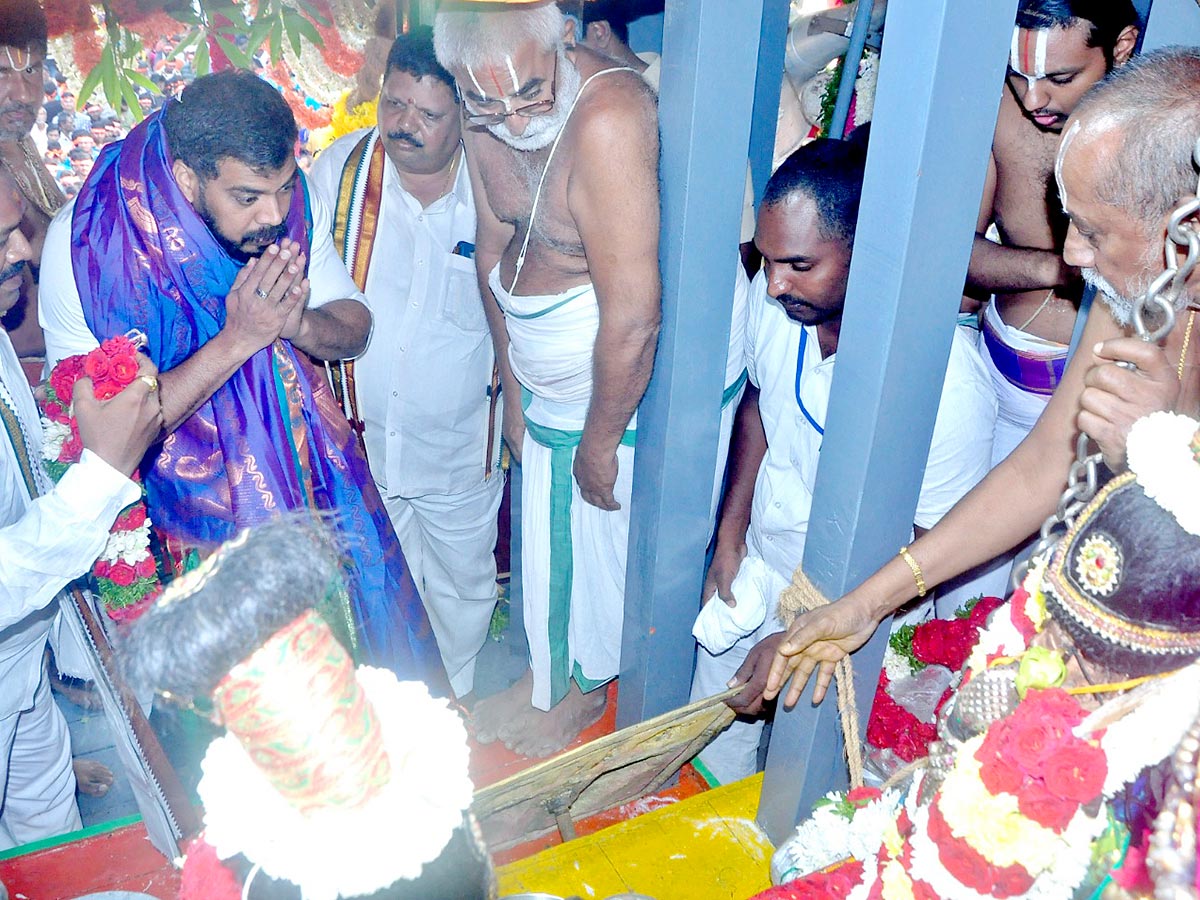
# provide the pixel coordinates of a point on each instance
(1074, 708)
(329, 781)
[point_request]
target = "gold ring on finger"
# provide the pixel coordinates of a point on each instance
(150, 381)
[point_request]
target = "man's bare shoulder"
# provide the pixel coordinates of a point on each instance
(622, 92)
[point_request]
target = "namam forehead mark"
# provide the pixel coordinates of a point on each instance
(493, 76)
(1027, 55)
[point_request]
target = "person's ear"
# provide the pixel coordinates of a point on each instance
(1123, 48)
(570, 31)
(187, 179)
(599, 34)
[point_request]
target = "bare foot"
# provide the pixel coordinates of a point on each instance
(80, 692)
(93, 778)
(491, 714)
(539, 734)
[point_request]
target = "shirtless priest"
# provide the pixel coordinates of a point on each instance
(562, 146)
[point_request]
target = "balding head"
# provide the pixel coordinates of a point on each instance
(1144, 121)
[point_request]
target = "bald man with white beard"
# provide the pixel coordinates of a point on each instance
(562, 146)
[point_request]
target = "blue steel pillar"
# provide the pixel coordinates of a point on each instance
(1172, 22)
(709, 56)
(772, 42)
(940, 79)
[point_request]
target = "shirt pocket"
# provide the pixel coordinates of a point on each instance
(461, 305)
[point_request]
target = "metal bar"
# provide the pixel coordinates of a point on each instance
(1172, 22)
(939, 90)
(858, 40)
(772, 42)
(709, 56)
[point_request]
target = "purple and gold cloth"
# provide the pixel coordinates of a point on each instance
(1037, 373)
(272, 438)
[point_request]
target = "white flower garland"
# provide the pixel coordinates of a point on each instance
(54, 434)
(1159, 453)
(331, 852)
(129, 547)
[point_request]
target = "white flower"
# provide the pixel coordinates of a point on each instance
(130, 546)
(1160, 454)
(54, 434)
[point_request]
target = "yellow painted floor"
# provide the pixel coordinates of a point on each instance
(706, 847)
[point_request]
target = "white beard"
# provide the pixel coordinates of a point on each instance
(540, 131)
(1122, 306)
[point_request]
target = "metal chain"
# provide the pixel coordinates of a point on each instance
(1082, 477)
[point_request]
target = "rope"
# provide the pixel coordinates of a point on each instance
(804, 596)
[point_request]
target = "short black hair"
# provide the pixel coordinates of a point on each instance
(1107, 18)
(617, 13)
(413, 53)
(232, 114)
(831, 173)
(22, 25)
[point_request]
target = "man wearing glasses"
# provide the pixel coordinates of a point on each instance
(562, 146)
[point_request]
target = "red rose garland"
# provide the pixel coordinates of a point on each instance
(126, 573)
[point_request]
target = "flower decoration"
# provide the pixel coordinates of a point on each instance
(1159, 452)
(912, 649)
(126, 572)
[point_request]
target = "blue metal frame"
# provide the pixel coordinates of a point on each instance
(939, 88)
(772, 42)
(1170, 22)
(709, 56)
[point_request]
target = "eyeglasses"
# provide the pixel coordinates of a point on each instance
(529, 111)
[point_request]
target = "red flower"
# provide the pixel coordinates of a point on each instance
(945, 642)
(970, 867)
(984, 608)
(862, 796)
(54, 411)
(145, 567)
(64, 376)
(96, 365)
(72, 448)
(132, 518)
(123, 370)
(1030, 740)
(1077, 772)
(118, 346)
(1055, 704)
(997, 770)
(101, 568)
(1044, 807)
(122, 574)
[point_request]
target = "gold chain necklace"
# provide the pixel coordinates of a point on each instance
(29, 179)
(1187, 339)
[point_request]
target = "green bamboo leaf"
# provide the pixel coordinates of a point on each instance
(109, 77)
(202, 64)
(309, 31)
(141, 80)
(259, 32)
(129, 95)
(187, 41)
(313, 13)
(233, 51)
(276, 40)
(293, 35)
(89, 85)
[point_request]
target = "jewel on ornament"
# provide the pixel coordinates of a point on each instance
(1098, 565)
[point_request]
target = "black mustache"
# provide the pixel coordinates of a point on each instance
(407, 137)
(268, 234)
(9, 271)
(793, 301)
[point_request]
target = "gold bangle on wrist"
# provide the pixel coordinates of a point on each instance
(918, 575)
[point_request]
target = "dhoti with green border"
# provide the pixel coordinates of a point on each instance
(572, 564)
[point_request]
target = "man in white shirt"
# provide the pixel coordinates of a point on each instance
(48, 536)
(197, 229)
(424, 388)
(805, 233)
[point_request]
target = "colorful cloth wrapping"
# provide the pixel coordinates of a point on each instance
(1038, 372)
(269, 440)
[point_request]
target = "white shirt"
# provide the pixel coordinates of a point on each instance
(60, 310)
(43, 543)
(423, 385)
(959, 454)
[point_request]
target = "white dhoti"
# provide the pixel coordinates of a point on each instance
(1024, 370)
(572, 553)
